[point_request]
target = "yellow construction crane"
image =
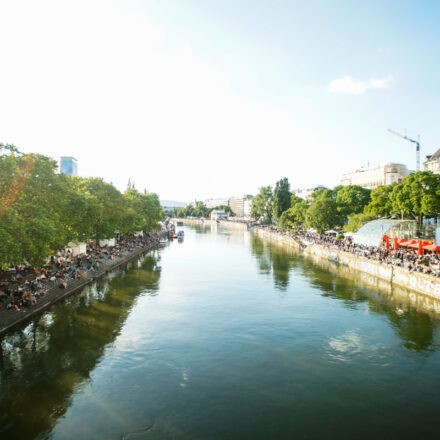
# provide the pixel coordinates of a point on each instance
(414, 142)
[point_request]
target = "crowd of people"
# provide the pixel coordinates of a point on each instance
(408, 258)
(22, 286)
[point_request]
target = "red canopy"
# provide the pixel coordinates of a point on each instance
(416, 244)
(409, 243)
(401, 241)
(432, 247)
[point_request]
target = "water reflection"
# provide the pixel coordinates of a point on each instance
(245, 340)
(52, 357)
(277, 260)
(414, 325)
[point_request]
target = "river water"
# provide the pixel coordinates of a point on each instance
(223, 336)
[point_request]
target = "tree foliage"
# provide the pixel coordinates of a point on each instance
(262, 205)
(356, 221)
(352, 199)
(380, 204)
(323, 214)
(41, 211)
(281, 197)
(199, 209)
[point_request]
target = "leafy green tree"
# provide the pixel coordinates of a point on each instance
(225, 208)
(281, 197)
(324, 194)
(323, 214)
(418, 195)
(41, 210)
(356, 221)
(262, 205)
(380, 204)
(352, 199)
(296, 215)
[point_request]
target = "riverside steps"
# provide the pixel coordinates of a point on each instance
(415, 282)
(9, 319)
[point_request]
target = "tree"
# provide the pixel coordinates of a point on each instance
(41, 210)
(352, 199)
(418, 195)
(262, 205)
(323, 214)
(296, 215)
(225, 208)
(281, 197)
(356, 221)
(380, 204)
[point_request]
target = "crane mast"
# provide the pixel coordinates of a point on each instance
(416, 142)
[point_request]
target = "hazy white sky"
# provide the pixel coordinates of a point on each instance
(199, 99)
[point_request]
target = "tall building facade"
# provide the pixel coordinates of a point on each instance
(432, 163)
(69, 165)
(377, 175)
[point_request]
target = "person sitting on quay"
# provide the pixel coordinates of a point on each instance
(26, 285)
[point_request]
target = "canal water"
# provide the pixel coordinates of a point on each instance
(223, 336)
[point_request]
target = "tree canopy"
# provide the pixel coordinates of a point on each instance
(262, 205)
(41, 210)
(281, 197)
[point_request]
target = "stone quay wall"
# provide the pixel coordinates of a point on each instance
(413, 281)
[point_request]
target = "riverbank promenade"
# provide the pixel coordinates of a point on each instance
(25, 293)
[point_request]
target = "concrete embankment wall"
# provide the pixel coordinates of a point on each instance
(413, 281)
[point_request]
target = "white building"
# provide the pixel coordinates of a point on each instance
(241, 206)
(305, 193)
(247, 205)
(218, 214)
(377, 175)
(432, 163)
(213, 203)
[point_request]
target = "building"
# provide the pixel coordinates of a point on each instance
(377, 175)
(247, 205)
(241, 206)
(213, 203)
(218, 214)
(432, 163)
(305, 193)
(68, 165)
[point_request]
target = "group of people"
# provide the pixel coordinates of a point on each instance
(22, 286)
(402, 257)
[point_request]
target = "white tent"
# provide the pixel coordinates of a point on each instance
(107, 242)
(76, 248)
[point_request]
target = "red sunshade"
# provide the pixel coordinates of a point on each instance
(432, 247)
(417, 243)
(401, 241)
(410, 243)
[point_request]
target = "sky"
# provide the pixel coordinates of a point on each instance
(197, 99)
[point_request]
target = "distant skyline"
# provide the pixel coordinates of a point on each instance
(197, 99)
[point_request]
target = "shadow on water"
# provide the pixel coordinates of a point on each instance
(415, 325)
(47, 361)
